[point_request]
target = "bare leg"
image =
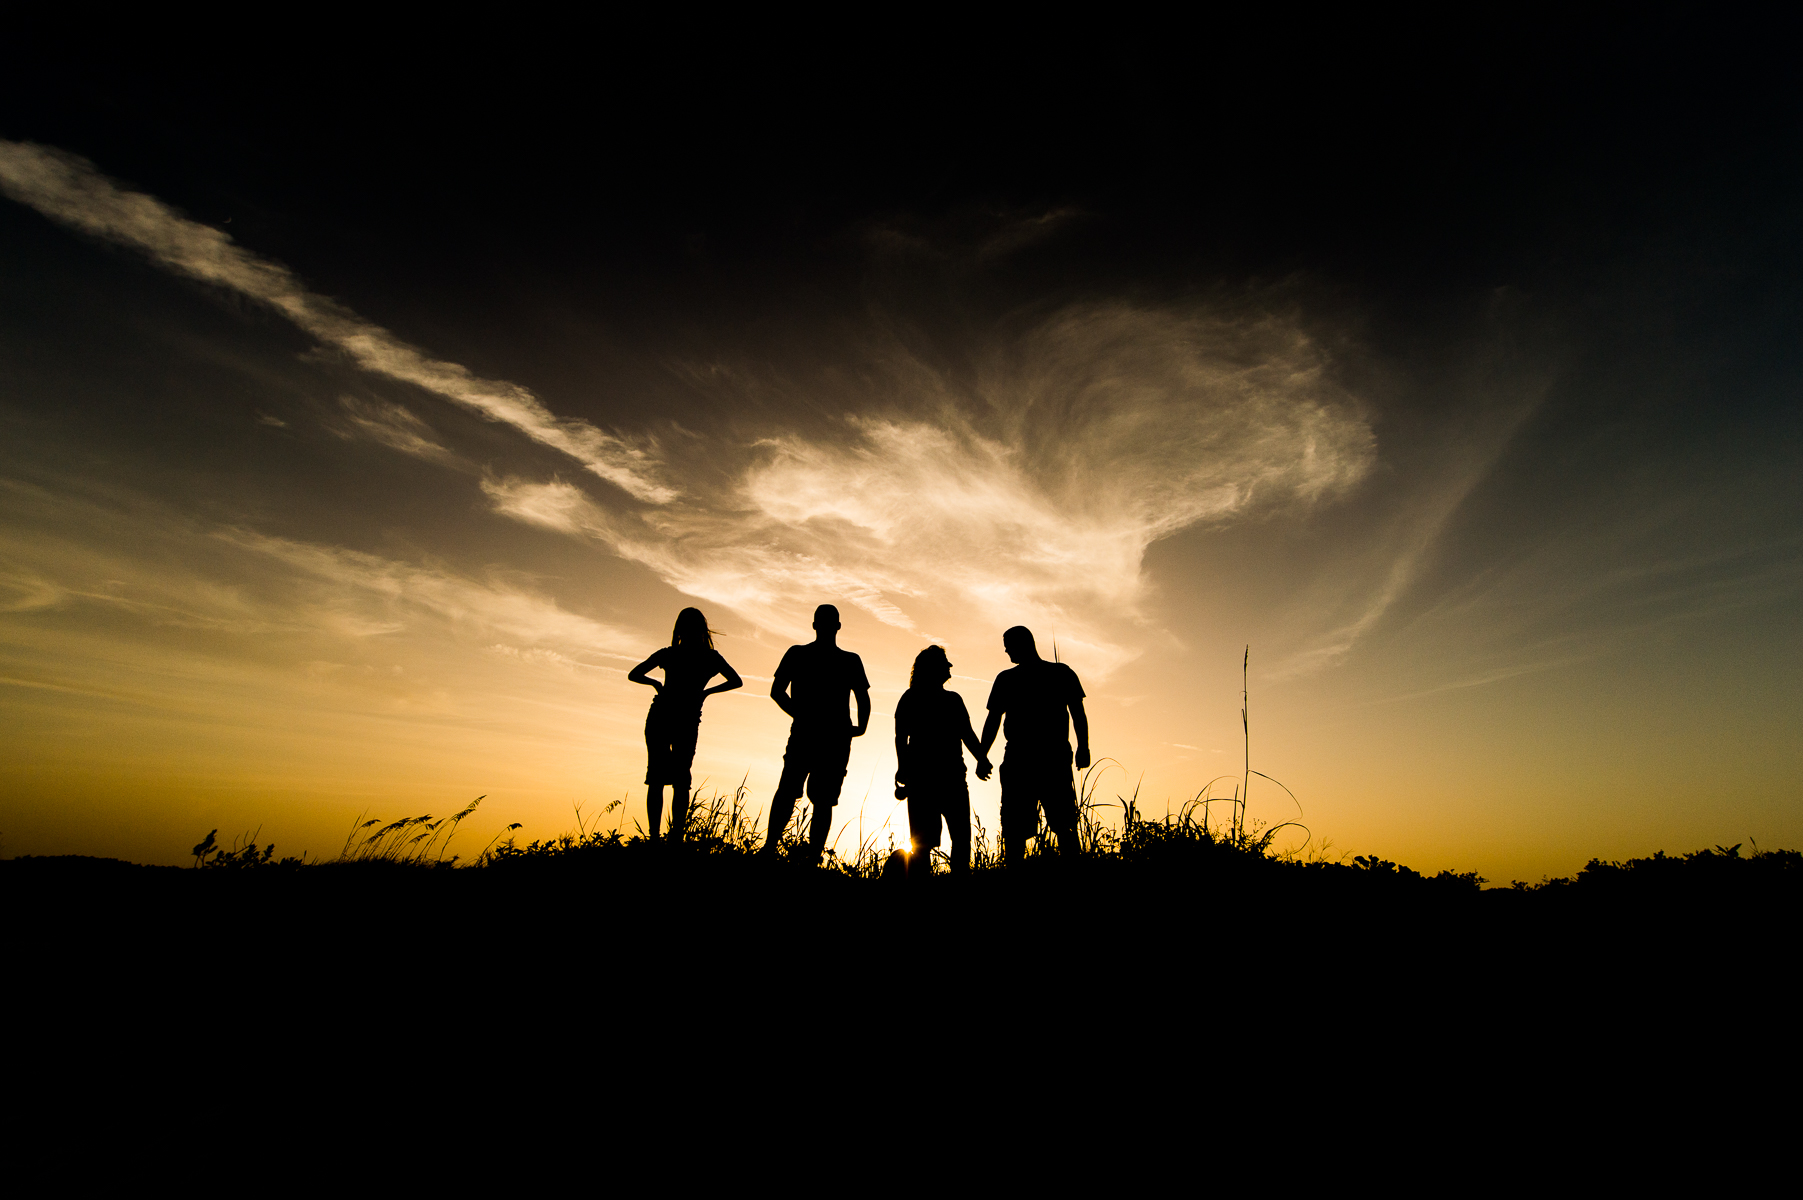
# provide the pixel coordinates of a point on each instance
(920, 862)
(654, 805)
(818, 824)
(679, 809)
(781, 810)
(961, 851)
(923, 832)
(957, 827)
(1069, 844)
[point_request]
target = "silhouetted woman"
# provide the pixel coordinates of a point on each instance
(688, 662)
(931, 728)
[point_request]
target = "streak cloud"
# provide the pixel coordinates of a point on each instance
(68, 189)
(1030, 497)
(350, 462)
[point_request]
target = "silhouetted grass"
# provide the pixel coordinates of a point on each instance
(242, 856)
(1143, 891)
(411, 841)
(1158, 915)
(1181, 846)
(1169, 943)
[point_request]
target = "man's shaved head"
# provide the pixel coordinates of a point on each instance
(827, 617)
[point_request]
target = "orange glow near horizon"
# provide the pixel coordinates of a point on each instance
(304, 568)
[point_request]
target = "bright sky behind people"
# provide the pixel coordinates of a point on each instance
(348, 469)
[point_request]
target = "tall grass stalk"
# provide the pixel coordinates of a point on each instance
(1245, 792)
(414, 841)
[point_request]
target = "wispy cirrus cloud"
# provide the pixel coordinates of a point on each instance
(395, 427)
(1032, 498)
(363, 595)
(62, 551)
(1024, 487)
(72, 191)
(1385, 563)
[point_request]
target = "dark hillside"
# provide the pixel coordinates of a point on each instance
(579, 983)
(709, 920)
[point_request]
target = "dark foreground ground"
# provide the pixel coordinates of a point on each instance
(572, 999)
(607, 933)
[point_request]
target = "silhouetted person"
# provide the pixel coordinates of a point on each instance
(813, 684)
(1035, 697)
(931, 728)
(688, 662)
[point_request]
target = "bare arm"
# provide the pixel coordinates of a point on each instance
(779, 688)
(863, 695)
(901, 741)
(1080, 722)
(992, 725)
(969, 738)
(637, 674)
(732, 680)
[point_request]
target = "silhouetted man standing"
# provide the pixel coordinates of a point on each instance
(1035, 697)
(813, 684)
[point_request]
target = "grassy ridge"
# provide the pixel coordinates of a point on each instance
(1167, 948)
(1170, 969)
(1158, 899)
(1181, 847)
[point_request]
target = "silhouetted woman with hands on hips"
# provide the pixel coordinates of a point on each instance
(688, 662)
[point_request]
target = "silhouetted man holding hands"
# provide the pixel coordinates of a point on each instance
(1034, 696)
(812, 685)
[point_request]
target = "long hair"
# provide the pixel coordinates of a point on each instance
(930, 657)
(691, 630)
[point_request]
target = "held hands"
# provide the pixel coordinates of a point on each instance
(1082, 758)
(901, 789)
(984, 767)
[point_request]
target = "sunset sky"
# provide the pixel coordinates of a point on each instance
(355, 443)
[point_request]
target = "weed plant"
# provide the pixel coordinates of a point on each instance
(1723, 868)
(1116, 837)
(242, 856)
(411, 841)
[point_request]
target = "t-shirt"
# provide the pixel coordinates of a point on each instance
(1036, 698)
(933, 720)
(821, 681)
(687, 671)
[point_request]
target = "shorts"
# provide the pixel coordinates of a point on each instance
(818, 760)
(1043, 778)
(670, 734)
